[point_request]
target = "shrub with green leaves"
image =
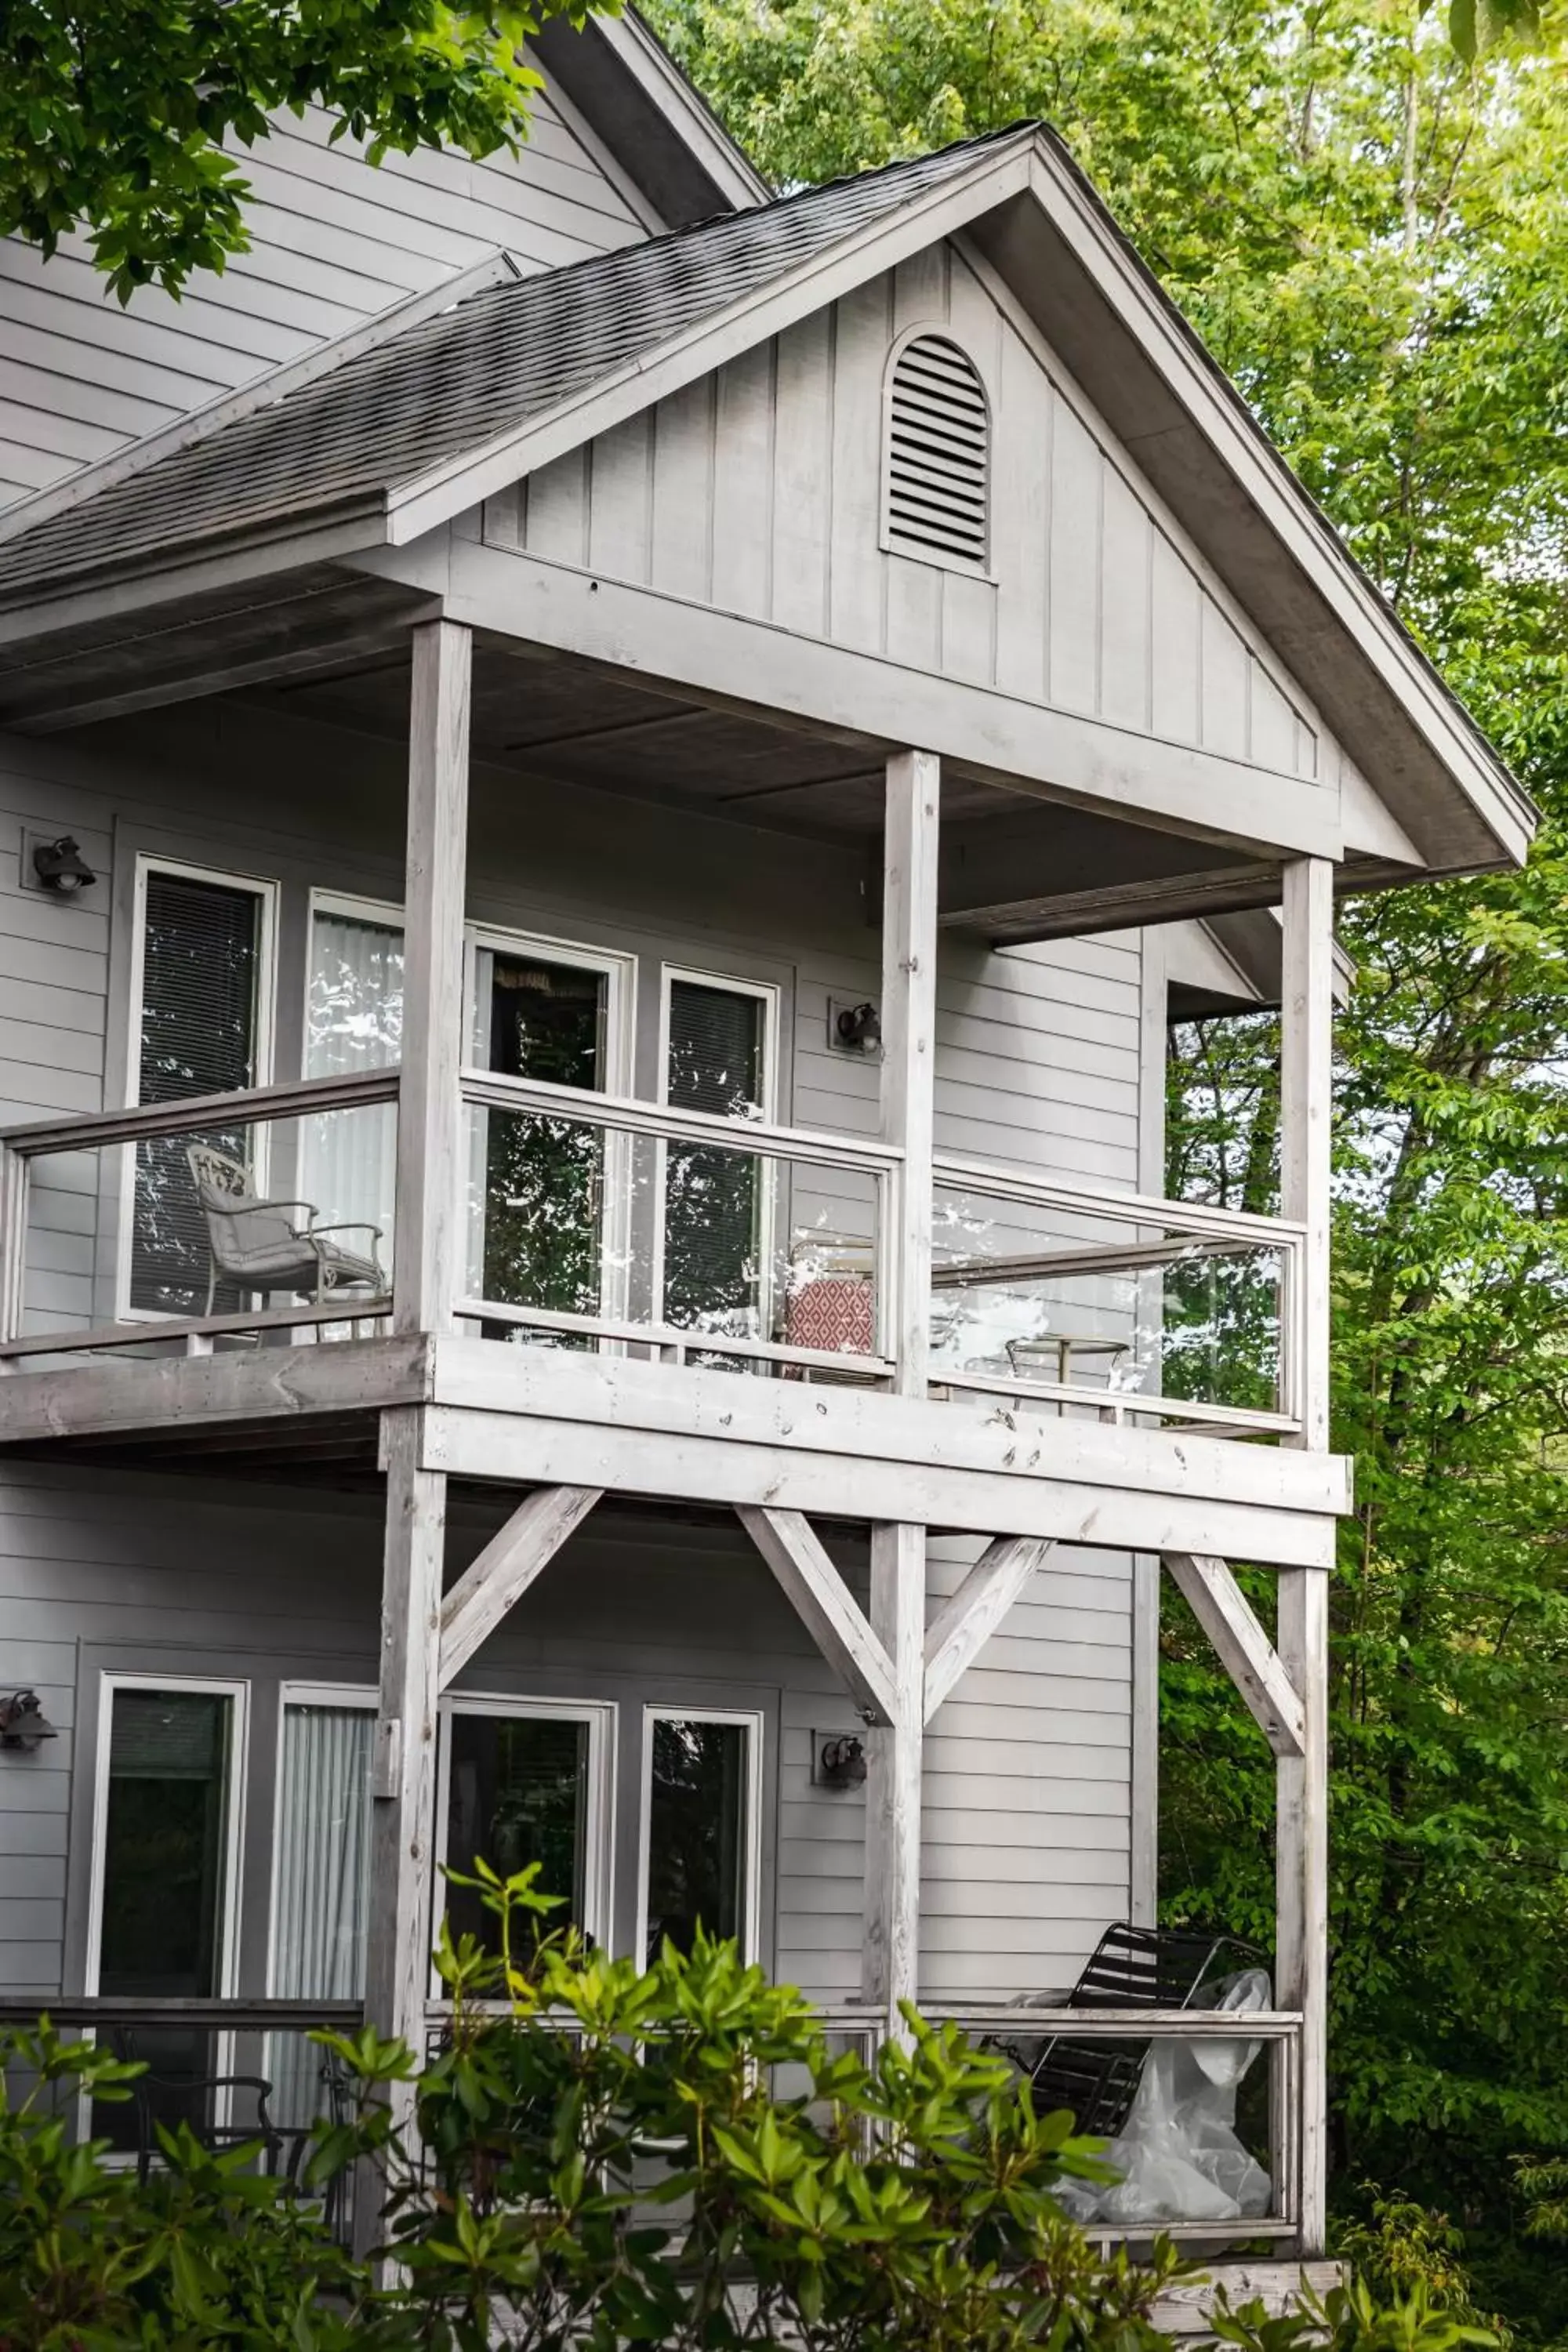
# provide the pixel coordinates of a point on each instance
(602, 2157)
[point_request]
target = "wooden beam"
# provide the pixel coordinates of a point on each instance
(430, 1123)
(1301, 1872)
(820, 1599)
(496, 1581)
(1244, 1649)
(890, 1967)
(403, 1815)
(1306, 1118)
(909, 1049)
(963, 1624)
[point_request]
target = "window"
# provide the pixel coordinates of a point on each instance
(202, 995)
(936, 462)
(548, 1195)
(320, 1875)
(165, 1867)
(525, 1781)
(718, 1204)
(701, 1828)
(353, 1021)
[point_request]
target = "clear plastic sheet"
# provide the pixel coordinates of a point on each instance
(1178, 2155)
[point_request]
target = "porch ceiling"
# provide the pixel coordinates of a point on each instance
(1014, 867)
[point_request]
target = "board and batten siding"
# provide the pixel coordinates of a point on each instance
(1028, 1771)
(334, 242)
(758, 490)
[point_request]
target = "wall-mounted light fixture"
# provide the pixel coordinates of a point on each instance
(23, 1722)
(858, 1028)
(841, 1761)
(61, 867)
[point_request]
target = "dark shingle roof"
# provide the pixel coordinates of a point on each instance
(455, 382)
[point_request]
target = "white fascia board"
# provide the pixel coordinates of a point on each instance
(446, 490)
(260, 392)
(1234, 436)
(645, 58)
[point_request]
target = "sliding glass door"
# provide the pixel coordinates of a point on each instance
(320, 1878)
(700, 1845)
(718, 1059)
(525, 1781)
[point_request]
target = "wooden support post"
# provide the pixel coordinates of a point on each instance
(909, 1047)
(427, 1240)
(962, 1625)
(1306, 1093)
(890, 1960)
(398, 1940)
(496, 1581)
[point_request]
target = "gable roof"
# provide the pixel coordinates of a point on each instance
(426, 393)
(427, 419)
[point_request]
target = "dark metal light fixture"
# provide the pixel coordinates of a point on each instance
(860, 1025)
(842, 1763)
(23, 1722)
(61, 867)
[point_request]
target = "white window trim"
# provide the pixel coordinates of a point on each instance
(228, 1971)
(266, 891)
(619, 970)
(361, 1695)
(753, 1720)
(770, 996)
(602, 1717)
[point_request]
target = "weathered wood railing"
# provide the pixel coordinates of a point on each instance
(109, 1210)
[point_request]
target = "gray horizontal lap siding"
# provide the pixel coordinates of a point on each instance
(1028, 1833)
(333, 242)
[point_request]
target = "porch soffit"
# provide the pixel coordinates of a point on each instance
(412, 432)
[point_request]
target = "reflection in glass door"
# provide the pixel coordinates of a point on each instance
(165, 1878)
(541, 1184)
(718, 1204)
(353, 1021)
(521, 1782)
(700, 1828)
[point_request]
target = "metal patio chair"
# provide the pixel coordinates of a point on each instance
(263, 1247)
(1130, 1967)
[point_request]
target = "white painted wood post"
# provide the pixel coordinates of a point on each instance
(890, 1959)
(426, 1240)
(399, 1924)
(890, 1964)
(1306, 1091)
(909, 1046)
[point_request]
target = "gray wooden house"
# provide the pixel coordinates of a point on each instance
(607, 787)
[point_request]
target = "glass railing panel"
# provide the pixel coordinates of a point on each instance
(240, 1217)
(585, 1232)
(1099, 1314)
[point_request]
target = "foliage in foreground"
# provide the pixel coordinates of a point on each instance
(114, 113)
(605, 2152)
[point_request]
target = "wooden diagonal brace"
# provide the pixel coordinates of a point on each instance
(1244, 1649)
(817, 1594)
(505, 1568)
(963, 1624)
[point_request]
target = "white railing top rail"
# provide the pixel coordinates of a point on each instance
(1239, 1228)
(294, 1098)
(628, 1115)
(679, 1340)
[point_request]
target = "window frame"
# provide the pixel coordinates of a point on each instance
(235, 1689)
(363, 1696)
(750, 1718)
(770, 996)
(602, 1717)
(267, 891)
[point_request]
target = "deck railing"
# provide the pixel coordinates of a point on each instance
(639, 1229)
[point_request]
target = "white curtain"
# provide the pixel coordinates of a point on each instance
(323, 1862)
(354, 1023)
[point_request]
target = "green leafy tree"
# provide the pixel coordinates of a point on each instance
(119, 117)
(1374, 241)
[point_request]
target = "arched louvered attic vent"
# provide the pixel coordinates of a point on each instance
(936, 492)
